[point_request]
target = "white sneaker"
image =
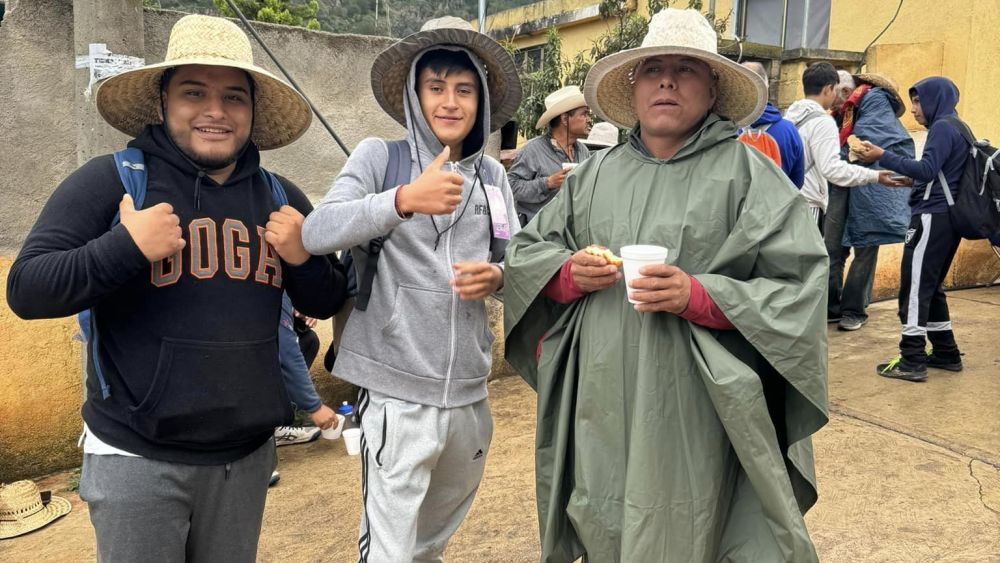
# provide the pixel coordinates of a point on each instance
(275, 477)
(287, 435)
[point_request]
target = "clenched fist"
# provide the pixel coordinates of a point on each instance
(434, 192)
(156, 230)
(284, 232)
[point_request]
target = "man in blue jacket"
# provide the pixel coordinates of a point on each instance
(861, 219)
(783, 132)
(930, 241)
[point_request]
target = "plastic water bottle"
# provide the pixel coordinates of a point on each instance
(350, 418)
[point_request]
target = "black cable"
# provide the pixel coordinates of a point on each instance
(250, 28)
(864, 54)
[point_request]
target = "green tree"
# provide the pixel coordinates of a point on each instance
(275, 11)
(536, 83)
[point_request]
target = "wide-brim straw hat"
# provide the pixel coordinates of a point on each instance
(567, 98)
(741, 94)
(392, 67)
(131, 100)
(602, 135)
(884, 82)
(22, 509)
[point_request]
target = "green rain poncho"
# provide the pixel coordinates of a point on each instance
(658, 439)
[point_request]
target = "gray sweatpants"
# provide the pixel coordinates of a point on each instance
(420, 469)
(152, 511)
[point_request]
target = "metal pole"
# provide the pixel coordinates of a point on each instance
(482, 16)
(232, 6)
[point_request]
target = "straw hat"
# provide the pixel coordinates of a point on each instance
(22, 509)
(741, 93)
(884, 82)
(567, 98)
(392, 67)
(131, 100)
(602, 135)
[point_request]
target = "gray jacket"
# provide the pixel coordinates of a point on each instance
(530, 172)
(417, 341)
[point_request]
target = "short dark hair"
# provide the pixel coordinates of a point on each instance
(168, 75)
(443, 62)
(818, 76)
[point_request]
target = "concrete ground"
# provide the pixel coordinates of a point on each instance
(907, 472)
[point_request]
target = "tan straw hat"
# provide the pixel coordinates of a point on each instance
(602, 135)
(567, 98)
(392, 67)
(884, 82)
(22, 509)
(131, 100)
(608, 89)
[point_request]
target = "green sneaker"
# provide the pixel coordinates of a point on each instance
(897, 368)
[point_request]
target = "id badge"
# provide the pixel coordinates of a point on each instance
(498, 213)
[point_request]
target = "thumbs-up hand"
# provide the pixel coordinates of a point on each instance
(156, 230)
(284, 232)
(435, 192)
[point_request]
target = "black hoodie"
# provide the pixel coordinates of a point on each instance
(188, 345)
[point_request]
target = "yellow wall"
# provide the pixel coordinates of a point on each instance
(40, 392)
(956, 39)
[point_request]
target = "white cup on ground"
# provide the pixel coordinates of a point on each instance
(637, 256)
(333, 432)
(352, 440)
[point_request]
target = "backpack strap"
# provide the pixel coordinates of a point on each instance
(131, 166)
(277, 190)
(397, 172)
(944, 186)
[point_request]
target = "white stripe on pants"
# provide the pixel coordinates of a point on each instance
(421, 468)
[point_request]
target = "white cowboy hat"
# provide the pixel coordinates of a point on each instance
(131, 100)
(602, 135)
(567, 98)
(392, 67)
(22, 509)
(741, 95)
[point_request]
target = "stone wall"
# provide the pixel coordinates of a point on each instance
(40, 370)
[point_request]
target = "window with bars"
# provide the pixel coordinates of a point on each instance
(530, 58)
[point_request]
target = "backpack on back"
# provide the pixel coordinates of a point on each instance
(761, 140)
(131, 166)
(975, 212)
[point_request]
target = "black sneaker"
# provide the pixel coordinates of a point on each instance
(851, 323)
(897, 368)
(832, 320)
(275, 477)
(944, 363)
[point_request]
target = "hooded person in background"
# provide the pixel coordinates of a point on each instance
(821, 142)
(782, 131)
(677, 429)
(421, 350)
(538, 170)
(184, 384)
(931, 242)
(860, 219)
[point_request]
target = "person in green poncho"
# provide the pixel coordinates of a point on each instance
(678, 428)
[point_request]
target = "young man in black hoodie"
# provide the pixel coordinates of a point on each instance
(930, 242)
(184, 385)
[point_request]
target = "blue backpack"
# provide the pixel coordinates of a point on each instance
(131, 166)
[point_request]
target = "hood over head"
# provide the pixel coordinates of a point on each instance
(938, 97)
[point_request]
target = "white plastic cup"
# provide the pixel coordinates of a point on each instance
(352, 441)
(635, 257)
(333, 432)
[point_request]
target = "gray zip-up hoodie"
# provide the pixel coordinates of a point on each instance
(417, 341)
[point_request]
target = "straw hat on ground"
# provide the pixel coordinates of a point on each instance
(884, 82)
(608, 89)
(392, 67)
(22, 509)
(131, 100)
(602, 135)
(567, 98)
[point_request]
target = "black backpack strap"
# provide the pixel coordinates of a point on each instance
(397, 172)
(963, 129)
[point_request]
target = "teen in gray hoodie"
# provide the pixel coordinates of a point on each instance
(421, 351)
